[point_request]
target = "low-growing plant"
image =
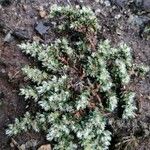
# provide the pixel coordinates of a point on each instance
(77, 84)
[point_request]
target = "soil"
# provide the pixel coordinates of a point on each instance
(120, 20)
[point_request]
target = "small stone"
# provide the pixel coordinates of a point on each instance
(3, 71)
(107, 3)
(41, 28)
(12, 145)
(20, 34)
(45, 147)
(97, 11)
(29, 144)
(23, 147)
(8, 38)
(118, 16)
(147, 132)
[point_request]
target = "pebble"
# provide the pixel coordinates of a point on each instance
(107, 3)
(97, 11)
(118, 16)
(3, 71)
(20, 34)
(1, 94)
(41, 28)
(8, 38)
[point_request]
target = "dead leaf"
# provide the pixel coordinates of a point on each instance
(37, 39)
(45, 147)
(15, 144)
(42, 13)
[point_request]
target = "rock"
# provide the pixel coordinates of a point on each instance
(17, 33)
(8, 38)
(41, 28)
(45, 147)
(20, 34)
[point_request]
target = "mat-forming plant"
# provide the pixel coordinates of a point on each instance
(80, 80)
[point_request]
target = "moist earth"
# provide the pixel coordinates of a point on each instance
(120, 20)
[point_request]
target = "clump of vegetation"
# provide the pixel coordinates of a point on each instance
(80, 81)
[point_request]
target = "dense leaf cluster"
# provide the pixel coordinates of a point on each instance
(77, 85)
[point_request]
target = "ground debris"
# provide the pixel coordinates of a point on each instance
(42, 13)
(45, 147)
(29, 144)
(15, 144)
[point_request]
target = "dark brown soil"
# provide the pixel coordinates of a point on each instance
(119, 22)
